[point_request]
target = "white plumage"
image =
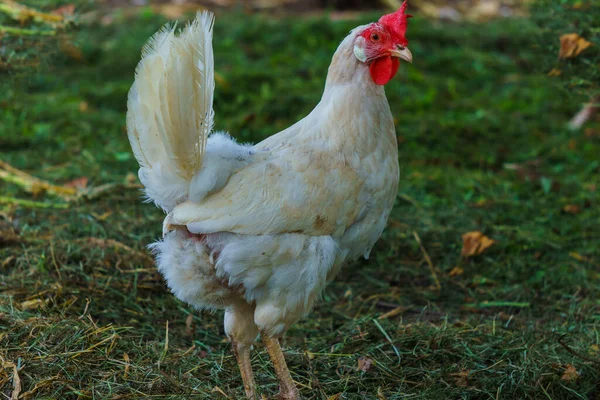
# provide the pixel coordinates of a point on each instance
(259, 230)
(170, 109)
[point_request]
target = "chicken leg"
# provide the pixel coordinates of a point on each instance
(242, 353)
(241, 330)
(287, 388)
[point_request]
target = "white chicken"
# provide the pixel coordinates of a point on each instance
(259, 230)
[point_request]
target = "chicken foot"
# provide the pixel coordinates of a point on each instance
(287, 388)
(242, 353)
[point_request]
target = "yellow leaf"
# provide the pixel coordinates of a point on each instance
(456, 271)
(570, 374)
(571, 45)
(461, 378)
(336, 396)
(475, 243)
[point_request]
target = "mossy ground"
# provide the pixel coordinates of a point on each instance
(84, 314)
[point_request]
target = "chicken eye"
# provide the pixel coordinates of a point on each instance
(375, 37)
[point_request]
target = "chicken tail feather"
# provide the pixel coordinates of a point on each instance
(170, 109)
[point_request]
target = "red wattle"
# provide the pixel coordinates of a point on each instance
(384, 69)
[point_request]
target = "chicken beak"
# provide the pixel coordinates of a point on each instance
(403, 53)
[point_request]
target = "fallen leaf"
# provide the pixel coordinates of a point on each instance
(16, 383)
(475, 243)
(461, 378)
(570, 374)
(16, 379)
(571, 45)
(572, 209)
(380, 395)
(456, 271)
(364, 364)
(336, 396)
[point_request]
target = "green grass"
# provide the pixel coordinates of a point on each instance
(84, 314)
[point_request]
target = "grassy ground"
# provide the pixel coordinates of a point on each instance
(83, 313)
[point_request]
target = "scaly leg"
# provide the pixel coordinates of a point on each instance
(287, 388)
(242, 353)
(241, 330)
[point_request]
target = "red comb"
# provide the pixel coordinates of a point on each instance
(396, 22)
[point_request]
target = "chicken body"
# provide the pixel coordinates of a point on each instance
(309, 199)
(259, 230)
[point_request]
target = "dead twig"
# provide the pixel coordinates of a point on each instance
(41, 384)
(22, 13)
(396, 311)
(38, 186)
(575, 353)
(32, 184)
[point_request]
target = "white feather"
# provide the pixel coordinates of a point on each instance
(170, 109)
